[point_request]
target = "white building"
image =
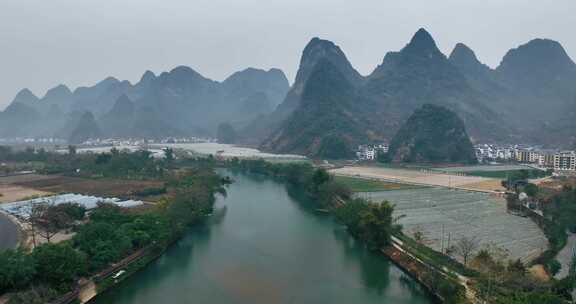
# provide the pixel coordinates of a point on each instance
(565, 161)
(366, 153)
(371, 151)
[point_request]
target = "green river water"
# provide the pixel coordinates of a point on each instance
(262, 246)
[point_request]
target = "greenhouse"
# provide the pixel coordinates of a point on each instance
(444, 216)
(23, 209)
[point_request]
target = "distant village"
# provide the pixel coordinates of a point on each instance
(109, 141)
(558, 160)
(542, 158)
(486, 153)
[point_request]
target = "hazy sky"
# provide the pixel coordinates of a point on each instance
(77, 42)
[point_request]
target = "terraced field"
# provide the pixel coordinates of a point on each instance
(445, 216)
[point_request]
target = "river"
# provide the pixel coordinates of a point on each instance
(9, 233)
(262, 246)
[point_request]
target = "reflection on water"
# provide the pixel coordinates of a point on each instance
(262, 246)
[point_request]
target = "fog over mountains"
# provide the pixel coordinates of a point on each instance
(177, 103)
(529, 97)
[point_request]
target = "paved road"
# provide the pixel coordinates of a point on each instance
(9, 233)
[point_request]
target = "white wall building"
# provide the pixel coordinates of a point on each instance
(565, 161)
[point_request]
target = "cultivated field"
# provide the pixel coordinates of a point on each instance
(487, 168)
(422, 177)
(370, 185)
(10, 192)
(22, 186)
(444, 216)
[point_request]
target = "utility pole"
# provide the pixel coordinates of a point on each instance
(442, 239)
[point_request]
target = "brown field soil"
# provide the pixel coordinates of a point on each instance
(488, 185)
(97, 187)
(12, 193)
(13, 179)
(538, 272)
(420, 177)
(370, 185)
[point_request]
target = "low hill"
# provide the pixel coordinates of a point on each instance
(86, 128)
(324, 125)
(433, 134)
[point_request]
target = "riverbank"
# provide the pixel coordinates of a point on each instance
(411, 266)
(265, 246)
(106, 279)
(108, 234)
(446, 285)
(354, 214)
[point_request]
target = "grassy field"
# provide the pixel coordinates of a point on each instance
(492, 174)
(533, 173)
(368, 185)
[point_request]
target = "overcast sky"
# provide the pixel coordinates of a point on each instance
(78, 42)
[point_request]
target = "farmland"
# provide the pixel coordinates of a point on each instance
(43, 184)
(444, 216)
(370, 185)
(496, 171)
(484, 168)
(422, 177)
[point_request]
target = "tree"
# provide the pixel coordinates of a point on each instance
(554, 267)
(103, 158)
(226, 134)
(71, 150)
(169, 155)
(376, 224)
(46, 221)
(331, 192)
(531, 190)
(189, 205)
(319, 177)
(349, 214)
(74, 211)
(59, 264)
(17, 269)
(370, 222)
(35, 295)
(532, 298)
(465, 247)
(103, 242)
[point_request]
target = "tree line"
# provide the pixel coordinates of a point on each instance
(370, 222)
(106, 234)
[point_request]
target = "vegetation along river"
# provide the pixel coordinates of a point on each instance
(263, 246)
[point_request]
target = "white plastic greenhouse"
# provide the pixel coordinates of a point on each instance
(23, 208)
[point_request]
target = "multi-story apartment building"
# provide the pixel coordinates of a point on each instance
(527, 156)
(371, 151)
(565, 161)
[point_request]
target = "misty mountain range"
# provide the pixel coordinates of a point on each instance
(529, 97)
(177, 103)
